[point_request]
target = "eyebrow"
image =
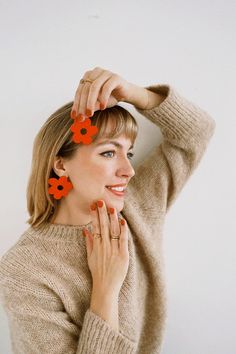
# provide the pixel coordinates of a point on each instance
(113, 142)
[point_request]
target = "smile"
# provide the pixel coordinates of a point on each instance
(118, 194)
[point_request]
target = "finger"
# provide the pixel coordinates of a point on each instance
(104, 223)
(75, 105)
(123, 243)
(114, 229)
(82, 92)
(108, 87)
(95, 88)
(89, 242)
(78, 92)
(97, 108)
(83, 100)
(95, 226)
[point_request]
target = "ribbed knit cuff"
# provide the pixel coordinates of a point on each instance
(178, 118)
(98, 337)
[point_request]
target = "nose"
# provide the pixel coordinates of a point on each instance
(127, 168)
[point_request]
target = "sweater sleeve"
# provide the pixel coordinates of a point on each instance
(38, 322)
(187, 130)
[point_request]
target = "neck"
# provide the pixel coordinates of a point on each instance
(68, 215)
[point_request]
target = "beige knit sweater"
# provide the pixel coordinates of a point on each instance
(45, 281)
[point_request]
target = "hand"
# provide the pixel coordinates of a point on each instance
(108, 259)
(106, 89)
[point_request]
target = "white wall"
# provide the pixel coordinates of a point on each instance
(46, 46)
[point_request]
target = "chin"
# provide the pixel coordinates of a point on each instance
(114, 202)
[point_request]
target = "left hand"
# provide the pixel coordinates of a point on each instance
(107, 88)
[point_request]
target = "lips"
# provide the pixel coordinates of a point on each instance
(118, 185)
(120, 194)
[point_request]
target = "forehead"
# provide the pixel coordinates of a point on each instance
(118, 142)
(121, 141)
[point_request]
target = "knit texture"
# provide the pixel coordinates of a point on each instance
(45, 282)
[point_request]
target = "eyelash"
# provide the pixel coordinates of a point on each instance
(130, 158)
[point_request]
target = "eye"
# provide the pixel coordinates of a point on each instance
(112, 151)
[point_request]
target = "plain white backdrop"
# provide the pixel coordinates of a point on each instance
(46, 47)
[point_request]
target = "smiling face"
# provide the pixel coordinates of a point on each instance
(92, 168)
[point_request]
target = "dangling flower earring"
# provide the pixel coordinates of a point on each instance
(59, 187)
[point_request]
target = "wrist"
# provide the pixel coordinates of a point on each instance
(106, 307)
(103, 296)
(138, 96)
(143, 98)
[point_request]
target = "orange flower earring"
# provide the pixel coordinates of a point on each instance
(83, 132)
(59, 187)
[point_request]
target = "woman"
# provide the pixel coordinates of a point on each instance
(105, 292)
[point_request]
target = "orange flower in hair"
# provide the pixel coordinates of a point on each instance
(62, 182)
(83, 131)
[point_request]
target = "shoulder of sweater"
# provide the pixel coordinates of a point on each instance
(32, 260)
(21, 261)
(14, 249)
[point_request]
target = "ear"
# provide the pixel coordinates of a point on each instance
(58, 166)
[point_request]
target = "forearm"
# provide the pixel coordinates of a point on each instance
(142, 98)
(106, 306)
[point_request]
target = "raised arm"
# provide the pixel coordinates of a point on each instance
(187, 130)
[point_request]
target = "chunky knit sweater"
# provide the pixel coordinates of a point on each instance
(45, 281)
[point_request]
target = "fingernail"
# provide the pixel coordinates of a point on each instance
(80, 117)
(73, 114)
(93, 206)
(84, 232)
(89, 112)
(111, 210)
(102, 106)
(100, 203)
(122, 221)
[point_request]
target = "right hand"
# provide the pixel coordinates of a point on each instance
(107, 88)
(108, 259)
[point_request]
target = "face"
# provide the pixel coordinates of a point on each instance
(96, 166)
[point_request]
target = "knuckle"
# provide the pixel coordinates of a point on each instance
(98, 68)
(115, 76)
(87, 73)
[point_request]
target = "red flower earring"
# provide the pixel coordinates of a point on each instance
(83, 132)
(64, 184)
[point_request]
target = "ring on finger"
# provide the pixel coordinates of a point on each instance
(115, 237)
(97, 235)
(82, 81)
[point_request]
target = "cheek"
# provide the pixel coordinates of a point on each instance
(95, 175)
(104, 171)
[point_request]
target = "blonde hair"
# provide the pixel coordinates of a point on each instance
(55, 139)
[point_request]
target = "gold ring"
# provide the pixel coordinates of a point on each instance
(95, 235)
(115, 237)
(82, 81)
